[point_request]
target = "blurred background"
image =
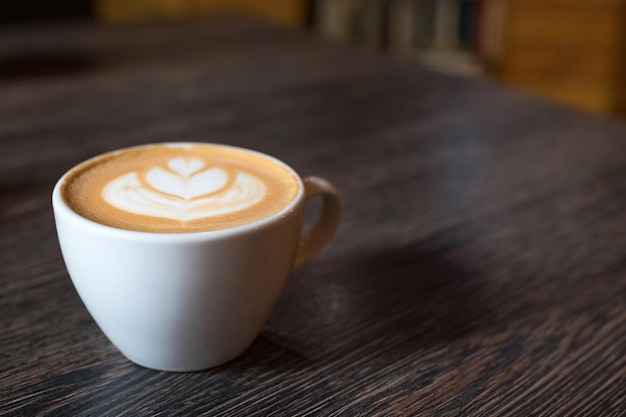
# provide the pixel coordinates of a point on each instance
(570, 51)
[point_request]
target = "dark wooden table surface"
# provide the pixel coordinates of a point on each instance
(480, 269)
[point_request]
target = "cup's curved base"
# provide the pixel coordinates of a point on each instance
(185, 365)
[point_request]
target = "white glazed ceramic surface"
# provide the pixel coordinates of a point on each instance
(189, 301)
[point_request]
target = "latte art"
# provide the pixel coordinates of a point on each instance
(179, 188)
(187, 192)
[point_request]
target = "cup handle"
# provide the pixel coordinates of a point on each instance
(328, 223)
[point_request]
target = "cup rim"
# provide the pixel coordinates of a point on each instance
(60, 208)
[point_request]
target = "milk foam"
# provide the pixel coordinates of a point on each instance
(186, 189)
(179, 188)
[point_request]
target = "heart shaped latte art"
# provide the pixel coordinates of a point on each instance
(184, 190)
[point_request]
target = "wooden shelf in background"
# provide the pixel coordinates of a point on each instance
(568, 50)
(291, 13)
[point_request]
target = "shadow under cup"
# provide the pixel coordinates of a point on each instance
(190, 301)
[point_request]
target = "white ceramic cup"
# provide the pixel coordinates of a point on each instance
(190, 301)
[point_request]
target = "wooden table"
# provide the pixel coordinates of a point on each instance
(480, 269)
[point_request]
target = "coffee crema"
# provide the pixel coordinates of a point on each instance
(179, 188)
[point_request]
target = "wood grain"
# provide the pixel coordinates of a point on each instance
(480, 269)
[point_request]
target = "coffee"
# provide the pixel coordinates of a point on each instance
(179, 188)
